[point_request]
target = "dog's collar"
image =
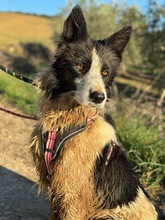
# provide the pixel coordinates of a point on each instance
(51, 151)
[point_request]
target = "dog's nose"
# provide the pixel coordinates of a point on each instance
(97, 97)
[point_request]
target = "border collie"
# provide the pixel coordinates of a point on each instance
(74, 146)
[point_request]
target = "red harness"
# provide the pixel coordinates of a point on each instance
(51, 152)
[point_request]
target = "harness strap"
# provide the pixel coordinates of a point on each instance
(58, 148)
(51, 152)
(48, 152)
(112, 145)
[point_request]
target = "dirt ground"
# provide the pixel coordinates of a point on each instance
(19, 198)
(18, 192)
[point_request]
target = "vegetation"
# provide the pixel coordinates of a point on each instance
(18, 93)
(154, 35)
(35, 37)
(144, 142)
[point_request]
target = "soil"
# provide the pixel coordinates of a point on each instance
(19, 199)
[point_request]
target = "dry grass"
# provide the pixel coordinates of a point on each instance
(16, 28)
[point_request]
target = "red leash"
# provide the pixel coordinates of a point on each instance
(19, 115)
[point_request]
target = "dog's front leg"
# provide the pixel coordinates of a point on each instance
(54, 214)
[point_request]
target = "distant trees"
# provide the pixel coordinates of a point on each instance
(132, 16)
(154, 36)
(147, 46)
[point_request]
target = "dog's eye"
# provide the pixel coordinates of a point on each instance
(79, 66)
(104, 73)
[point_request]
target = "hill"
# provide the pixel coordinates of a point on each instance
(25, 28)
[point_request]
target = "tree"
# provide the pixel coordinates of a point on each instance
(105, 19)
(154, 41)
(130, 15)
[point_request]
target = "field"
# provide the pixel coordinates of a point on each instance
(16, 28)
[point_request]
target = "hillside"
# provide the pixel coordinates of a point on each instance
(25, 28)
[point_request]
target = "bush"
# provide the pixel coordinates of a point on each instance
(144, 145)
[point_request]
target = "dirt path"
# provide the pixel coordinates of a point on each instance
(18, 192)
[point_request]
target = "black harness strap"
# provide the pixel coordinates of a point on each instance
(57, 150)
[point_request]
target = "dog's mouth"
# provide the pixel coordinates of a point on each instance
(97, 106)
(91, 104)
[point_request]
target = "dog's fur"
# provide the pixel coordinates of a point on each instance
(76, 88)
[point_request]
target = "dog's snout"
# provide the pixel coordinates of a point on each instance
(97, 97)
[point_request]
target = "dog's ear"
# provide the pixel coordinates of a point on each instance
(75, 26)
(118, 41)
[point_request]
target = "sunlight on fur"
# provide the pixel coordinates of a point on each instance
(74, 146)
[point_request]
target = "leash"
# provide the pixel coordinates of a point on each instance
(18, 76)
(24, 79)
(18, 115)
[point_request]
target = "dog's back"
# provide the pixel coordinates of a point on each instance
(74, 145)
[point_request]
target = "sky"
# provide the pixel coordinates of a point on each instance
(52, 7)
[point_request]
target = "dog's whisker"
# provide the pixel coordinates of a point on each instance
(110, 100)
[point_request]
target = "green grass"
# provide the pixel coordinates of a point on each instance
(144, 145)
(21, 95)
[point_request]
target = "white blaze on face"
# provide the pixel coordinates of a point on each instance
(91, 82)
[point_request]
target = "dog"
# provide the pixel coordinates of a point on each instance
(74, 145)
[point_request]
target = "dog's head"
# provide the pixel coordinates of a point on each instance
(85, 68)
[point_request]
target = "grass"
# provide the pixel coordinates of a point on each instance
(144, 145)
(21, 95)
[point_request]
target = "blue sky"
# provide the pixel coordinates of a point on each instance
(51, 7)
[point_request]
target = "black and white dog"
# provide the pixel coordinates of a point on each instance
(74, 145)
